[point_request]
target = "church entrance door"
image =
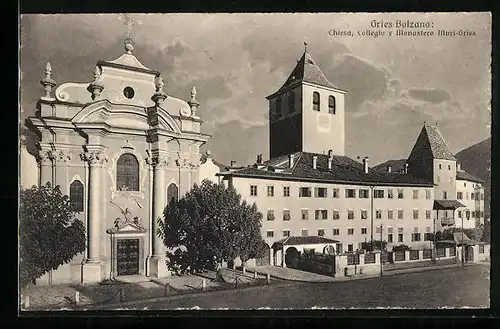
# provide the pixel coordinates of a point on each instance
(127, 257)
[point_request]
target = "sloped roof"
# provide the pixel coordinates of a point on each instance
(307, 70)
(463, 175)
(430, 144)
(344, 170)
(221, 166)
(298, 240)
(447, 204)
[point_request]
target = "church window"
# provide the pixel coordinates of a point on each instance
(128, 92)
(316, 101)
(291, 102)
(127, 173)
(331, 104)
(172, 192)
(278, 107)
(76, 196)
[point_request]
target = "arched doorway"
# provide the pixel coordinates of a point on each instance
(329, 250)
(265, 260)
(292, 257)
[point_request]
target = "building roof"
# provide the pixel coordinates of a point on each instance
(463, 175)
(344, 170)
(430, 144)
(306, 70)
(221, 166)
(299, 240)
(447, 204)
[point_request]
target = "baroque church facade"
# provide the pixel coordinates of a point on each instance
(121, 148)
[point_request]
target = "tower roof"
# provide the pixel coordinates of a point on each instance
(430, 144)
(307, 70)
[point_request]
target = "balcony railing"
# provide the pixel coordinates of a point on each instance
(447, 221)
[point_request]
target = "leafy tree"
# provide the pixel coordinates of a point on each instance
(49, 233)
(207, 226)
(487, 231)
(373, 245)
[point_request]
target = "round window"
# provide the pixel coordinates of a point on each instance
(128, 92)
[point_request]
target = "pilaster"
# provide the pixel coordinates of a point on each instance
(46, 159)
(61, 159)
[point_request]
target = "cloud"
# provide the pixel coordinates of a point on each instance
(435, 96)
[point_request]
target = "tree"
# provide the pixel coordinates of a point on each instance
(487, 231)
(207, 226)
(49, 233)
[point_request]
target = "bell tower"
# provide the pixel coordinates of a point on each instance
(307, 113)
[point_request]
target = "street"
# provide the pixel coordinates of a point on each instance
(455, 287)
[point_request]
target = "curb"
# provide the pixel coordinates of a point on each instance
(173, 297)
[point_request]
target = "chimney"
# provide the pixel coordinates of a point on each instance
(365, 164)
(290, 160)
(330, 160)
(259, 158)
(459, 167)
(232, 162)
(406, 168)
(315, 161)
(330, 153)
(389, 168)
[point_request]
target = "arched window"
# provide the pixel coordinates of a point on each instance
(76, 196)
(278, 107)
(291, 102)
(331, 104)
(127, 173)
(316, 101)
(172, 193)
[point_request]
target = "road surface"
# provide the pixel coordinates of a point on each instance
(456, 287)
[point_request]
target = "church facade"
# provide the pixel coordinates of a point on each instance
(121, 148)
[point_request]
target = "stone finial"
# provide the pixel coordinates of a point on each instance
(48, 83)
(96, 86)
(129, 45)
(159, 96)
(208, 153)
(193, 103)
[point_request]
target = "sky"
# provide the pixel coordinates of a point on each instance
(393, 83)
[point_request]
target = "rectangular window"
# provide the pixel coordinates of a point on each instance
(350, 231)
(415, 194)
(378, 194)
(459, 195)
(459, 213)
(286, 233)
(400, 194)
(390, 214)
(389, 237)
(336, 214)
(415, 237)
(400, 214)
(270, 190)
(445, 195)
(286, 191)
(304, 233)
(305, 192)
(350, 193)
(471, 196)
(481, 248)
(321, 232)
(315, 101)
(305, 214)
(270, 214)
(427, 194)
(363, 194)
(336, 193)
(253, 190)
(428, 237)
(339, 248)
(449, 167)
(440, 166)
(390, 194)
(320, 192)
(349, 248)
(350, 214)
(427, 214)
(286, 214)
(415, 213)
(321, 214)
(270, 234)
(364, 214)
(400, 237)
(331, 104)
(378, 214)
(363, 230)
(336, 231)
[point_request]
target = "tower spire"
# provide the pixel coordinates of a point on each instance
(305, 46)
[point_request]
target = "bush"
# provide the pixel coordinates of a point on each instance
(401, 247)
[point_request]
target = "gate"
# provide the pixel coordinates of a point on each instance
(469, 254)
(387, 257)
(127, 257)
